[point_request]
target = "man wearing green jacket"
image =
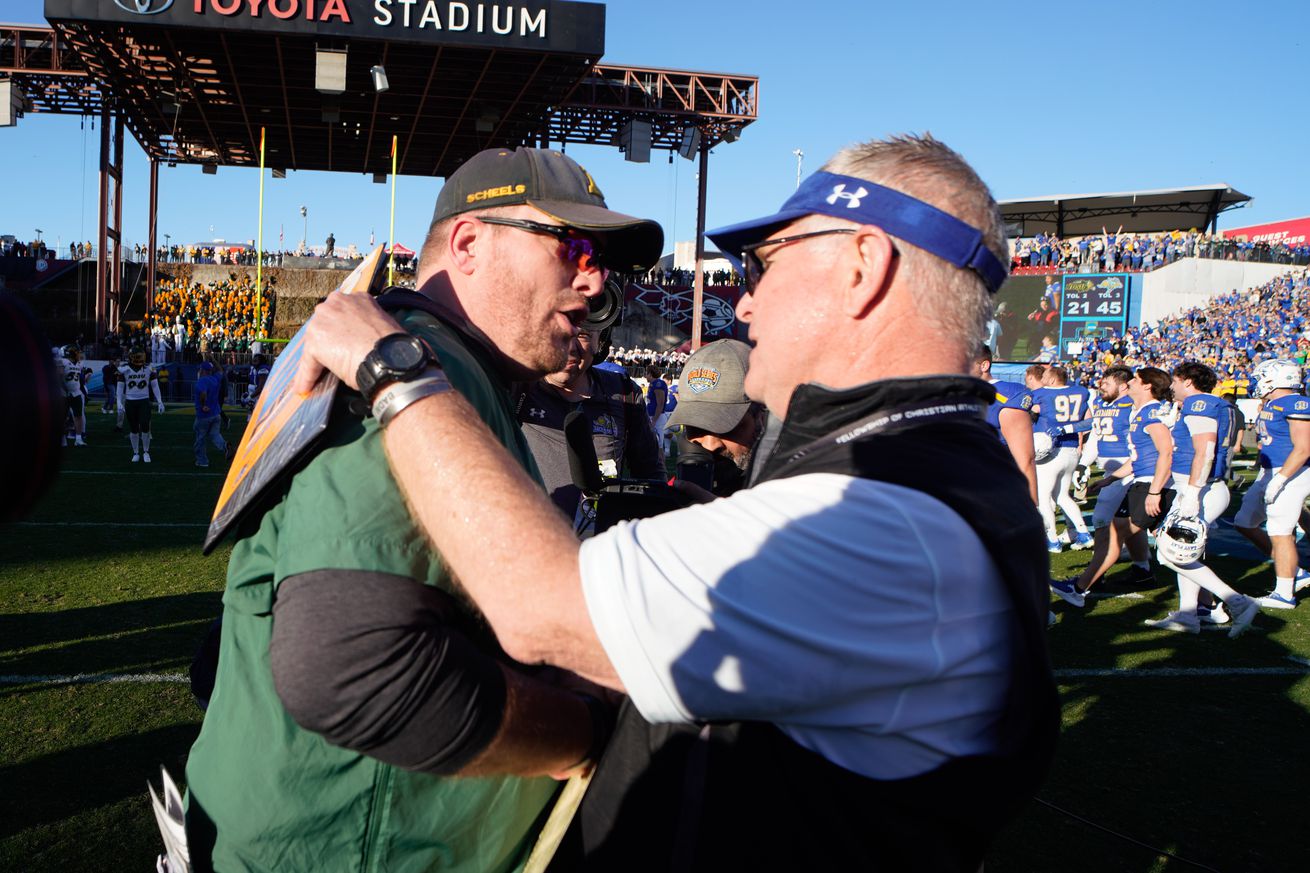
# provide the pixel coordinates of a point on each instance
(364, 717)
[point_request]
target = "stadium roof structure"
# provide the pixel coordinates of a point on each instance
(196, 80)
(1138, 211)
(327, 84)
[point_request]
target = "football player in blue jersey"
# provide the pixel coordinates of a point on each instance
(1107, 445)
(1278, 494)
(1150, 454)
(1204, 422)
(1059, 406)
(1011, 417)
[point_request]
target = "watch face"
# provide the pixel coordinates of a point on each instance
(401, 353)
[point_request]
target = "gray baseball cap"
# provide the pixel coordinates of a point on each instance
(711, 395)
(553, 183)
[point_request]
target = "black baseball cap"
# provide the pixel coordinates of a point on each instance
(553, 183)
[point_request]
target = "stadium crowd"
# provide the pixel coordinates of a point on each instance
(1230, 333)
(661, 276)
(1116, 251)
(217, 317)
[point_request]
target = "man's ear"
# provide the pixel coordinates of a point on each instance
(467, 240)
(873, 268)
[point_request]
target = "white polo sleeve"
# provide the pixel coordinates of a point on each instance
(818, 600)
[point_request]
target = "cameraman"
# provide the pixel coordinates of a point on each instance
(612, 402)
(721, 425)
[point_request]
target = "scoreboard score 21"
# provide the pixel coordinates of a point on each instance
(1091, 307)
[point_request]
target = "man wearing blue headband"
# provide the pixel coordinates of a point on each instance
(844, 665)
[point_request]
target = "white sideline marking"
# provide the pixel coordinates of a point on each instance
(1071, 673)
(1185, 672)
(133, 473)
(1130, 595)
(111, 524)
(95, 678)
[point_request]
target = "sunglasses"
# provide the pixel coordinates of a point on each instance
(574, 247)
(754, 268)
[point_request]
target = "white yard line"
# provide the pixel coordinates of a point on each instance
(1070, 673)
(134, 473)
(111, 524)
(1177, 672)
(96, 678)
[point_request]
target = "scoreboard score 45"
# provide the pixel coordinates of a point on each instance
(1092, 306)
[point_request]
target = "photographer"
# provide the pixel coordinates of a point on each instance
(721, 425)
(622, 434)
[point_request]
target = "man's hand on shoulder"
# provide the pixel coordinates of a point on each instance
(342, 331)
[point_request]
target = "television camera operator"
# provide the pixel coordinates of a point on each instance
(622, 436)
(721, 426)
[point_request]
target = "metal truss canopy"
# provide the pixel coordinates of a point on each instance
(192, 94)
(1137, 211)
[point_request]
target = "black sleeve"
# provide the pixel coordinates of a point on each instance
(644, 453)
(375, 663)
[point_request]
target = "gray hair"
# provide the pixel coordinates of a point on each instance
(925, 168)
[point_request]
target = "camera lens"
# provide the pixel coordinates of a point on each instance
(604, 309)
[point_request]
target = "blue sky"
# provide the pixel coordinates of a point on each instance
(1041, 98)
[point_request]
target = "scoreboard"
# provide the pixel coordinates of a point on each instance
(1092, 306)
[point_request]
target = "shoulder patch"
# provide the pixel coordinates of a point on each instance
(1301, 405)
(1198, 405)
(1027, 401)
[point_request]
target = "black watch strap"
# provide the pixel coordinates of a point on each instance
(396, 357)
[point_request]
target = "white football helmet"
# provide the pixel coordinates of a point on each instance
(1274, 374)
(1180, 540)
(1043, 444)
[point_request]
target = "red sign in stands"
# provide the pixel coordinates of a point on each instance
(1293, 232)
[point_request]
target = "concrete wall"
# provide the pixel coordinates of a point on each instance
(1193, 281)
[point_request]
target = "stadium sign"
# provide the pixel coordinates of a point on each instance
(1293, 232)
(539, 25)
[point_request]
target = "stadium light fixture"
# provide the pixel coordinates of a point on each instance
(330, 71)
(690, 144)
(379, 74)
(635, 141)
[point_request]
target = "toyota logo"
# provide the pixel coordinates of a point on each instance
(144, 7)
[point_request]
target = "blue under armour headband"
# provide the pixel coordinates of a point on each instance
(865, 202)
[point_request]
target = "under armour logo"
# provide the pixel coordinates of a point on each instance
(537, 413)
(839, 192)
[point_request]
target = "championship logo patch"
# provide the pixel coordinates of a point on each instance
(1027, 402)
(1199, 405)
(1302, 404)
(701, 379)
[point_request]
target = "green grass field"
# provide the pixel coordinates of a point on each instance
(1188, 744)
